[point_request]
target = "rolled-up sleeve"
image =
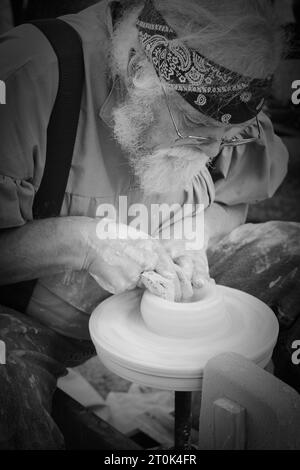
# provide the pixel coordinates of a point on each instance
(252, 172)
(16, 198)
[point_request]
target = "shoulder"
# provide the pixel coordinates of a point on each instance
(94, 24)
(28, 67)
(25, 47)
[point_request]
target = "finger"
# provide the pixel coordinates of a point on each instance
(201, 269)
(200, 277)
(165, 265)
(185, 284)
(158, 285)
(167, 268)
(177, 289)
(186, 264)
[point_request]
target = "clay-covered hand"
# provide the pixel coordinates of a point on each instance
(191, 266)
(117, 255)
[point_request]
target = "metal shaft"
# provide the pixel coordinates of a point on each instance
(183, 420)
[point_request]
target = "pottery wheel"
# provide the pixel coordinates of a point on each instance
(129, 349)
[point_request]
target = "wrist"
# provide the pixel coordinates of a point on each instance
(74, 236)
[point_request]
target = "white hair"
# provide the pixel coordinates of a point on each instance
(166, 171)
(242, 35)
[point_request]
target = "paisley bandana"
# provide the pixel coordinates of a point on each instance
(215, 91)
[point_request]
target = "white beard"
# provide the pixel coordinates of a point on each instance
(159, 170)
(168, 170)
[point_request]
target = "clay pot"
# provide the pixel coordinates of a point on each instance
(199, 317)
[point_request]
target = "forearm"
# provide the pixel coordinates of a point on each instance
(41, 248)
(220, 220)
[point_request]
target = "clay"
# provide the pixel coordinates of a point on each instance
(203, 312)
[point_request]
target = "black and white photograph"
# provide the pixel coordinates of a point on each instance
(150, 228)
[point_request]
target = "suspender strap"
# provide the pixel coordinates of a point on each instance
(62, 128)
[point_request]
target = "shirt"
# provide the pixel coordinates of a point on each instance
(100, 172)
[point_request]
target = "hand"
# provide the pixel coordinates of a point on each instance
(191, 266)
(116, 255)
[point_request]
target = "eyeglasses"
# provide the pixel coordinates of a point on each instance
(199, 141)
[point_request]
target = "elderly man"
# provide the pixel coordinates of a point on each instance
(171, 112)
